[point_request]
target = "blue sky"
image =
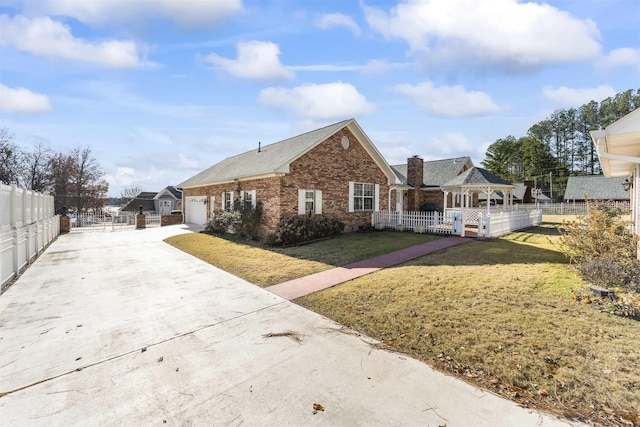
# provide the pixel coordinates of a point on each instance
(162, 89)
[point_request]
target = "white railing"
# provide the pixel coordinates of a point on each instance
(499, 224)
(27, 225)
(421, 222)
(105, 221)
(573, 208)
(472, 215)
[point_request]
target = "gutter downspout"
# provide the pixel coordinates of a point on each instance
(598, 138)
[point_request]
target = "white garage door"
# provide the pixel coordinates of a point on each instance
(196, 210)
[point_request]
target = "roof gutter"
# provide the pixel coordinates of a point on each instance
(599, 139)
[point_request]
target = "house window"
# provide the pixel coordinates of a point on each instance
(248, 198)
(309, 201)
(363, 196)
(227, 201)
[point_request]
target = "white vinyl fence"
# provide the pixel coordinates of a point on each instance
(421, 222)
(499, 224)
(27, 225)
(451, 222)
(573, 208)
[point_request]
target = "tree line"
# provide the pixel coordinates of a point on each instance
(75, 179)
(558, 146)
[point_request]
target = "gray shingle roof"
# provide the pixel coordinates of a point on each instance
(595, 187)
(476, 176)
(272, 158)
(436, 172)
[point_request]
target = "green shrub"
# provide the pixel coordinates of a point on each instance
(300, 229)
(601, 233)
(243, 220)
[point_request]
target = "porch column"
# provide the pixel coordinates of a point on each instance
(489, 201)
(446, 196)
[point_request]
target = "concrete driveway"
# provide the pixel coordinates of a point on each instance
(119, 328)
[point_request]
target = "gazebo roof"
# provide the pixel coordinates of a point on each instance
(477, 178)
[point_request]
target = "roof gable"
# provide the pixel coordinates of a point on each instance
(277, 157)
(595, 187)
(477, 177)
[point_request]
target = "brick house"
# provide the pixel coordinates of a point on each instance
(421, 182)
(334, 171)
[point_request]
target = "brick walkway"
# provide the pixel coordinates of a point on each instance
(306, 285)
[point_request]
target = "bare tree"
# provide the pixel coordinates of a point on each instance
(77, 181)
(9, 158)
(129, 193)
(36, 169)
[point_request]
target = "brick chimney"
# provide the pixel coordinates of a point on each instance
(527, 197)
(415, 170)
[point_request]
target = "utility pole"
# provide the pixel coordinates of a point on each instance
(551, 185)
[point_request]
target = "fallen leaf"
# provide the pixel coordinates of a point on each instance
(318, 407)
(494, 380)
(160, 359)
(542, 392)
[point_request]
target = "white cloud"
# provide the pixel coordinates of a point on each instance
(338, 20)
(318, 101)
(566, 97)
(623, 57)
(448, 101)
(46, 37)
(122, 177)
(22, 100)
(325, 67)
(256, 60)
(500, 32)
(184, 162)
(195, 13)
(378, 66)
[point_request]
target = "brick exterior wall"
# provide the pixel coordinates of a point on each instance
(171, 219)
(327, 167)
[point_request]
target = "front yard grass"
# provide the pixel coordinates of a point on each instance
(498, 313)
(266, 267)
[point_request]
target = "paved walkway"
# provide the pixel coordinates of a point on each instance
(120, 328)
(302, 286)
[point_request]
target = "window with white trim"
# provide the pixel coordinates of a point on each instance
(309, 201)
(364, 197)
(227, 201)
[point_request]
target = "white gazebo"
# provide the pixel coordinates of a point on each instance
(618, 147)
(477, 181)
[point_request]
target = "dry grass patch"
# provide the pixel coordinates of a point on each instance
(270, 266)
(500, 314)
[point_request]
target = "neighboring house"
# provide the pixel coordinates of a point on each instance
(163, 202)
(421, 182)
(618, 148)
(334, 171)
(144, 200)
(595, 188)
(168, 200)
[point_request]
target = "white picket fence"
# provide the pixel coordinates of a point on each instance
(499, 224)
(451, 222)
(27, 225)
(420, 222)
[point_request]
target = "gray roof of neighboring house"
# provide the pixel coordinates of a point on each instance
(270, 159)
(134, 204)
(518, 194)
(169, 192)
(436, 172)
(595, 187)
(477, 176)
